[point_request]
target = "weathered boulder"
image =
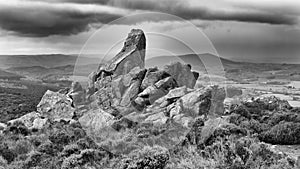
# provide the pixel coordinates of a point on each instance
(157, 119)
(197, 102)
(31, 120)
(178, 115)
(132, 55)
(182, 74)
(177, 93)
(171, 97)
(181, 105)
(54, 105)
(97, 121)
(154, 92)
(152, 76)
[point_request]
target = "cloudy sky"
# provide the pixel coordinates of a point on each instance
(252, 30)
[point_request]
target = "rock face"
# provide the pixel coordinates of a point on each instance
(97, 122)
(132, 55)
(77, 93)
(55, 105)
(182, 74)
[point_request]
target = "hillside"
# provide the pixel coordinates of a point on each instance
(9, 75)
(48, 61)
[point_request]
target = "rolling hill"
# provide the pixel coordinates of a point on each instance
(195, 60)
(9, 76)
(47, 61)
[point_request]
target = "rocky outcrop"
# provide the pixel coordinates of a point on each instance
(123, 95)
(55, 105)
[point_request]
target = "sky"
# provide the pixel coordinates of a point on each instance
(252, 30)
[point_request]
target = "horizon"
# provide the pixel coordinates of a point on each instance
(90, 57)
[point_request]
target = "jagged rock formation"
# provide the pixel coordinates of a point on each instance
(132, 55)
(126, 94)
(124, 85)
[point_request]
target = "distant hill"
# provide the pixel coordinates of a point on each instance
(40, 72)
(44, 67)
(47, 61)
(195, 60)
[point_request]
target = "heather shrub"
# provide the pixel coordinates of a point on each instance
(18, 128)
(191, 158)
(60, 137)
(148, 157)
(283, 133)
(69, 150)
(22, 147)
(48, 148)
(88, 156)
(7, 153)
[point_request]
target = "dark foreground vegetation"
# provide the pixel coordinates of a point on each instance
(211, 144)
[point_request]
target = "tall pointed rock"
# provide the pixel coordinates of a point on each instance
(132, 55)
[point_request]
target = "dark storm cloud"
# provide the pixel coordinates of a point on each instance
(44, 19)
(207, 10)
